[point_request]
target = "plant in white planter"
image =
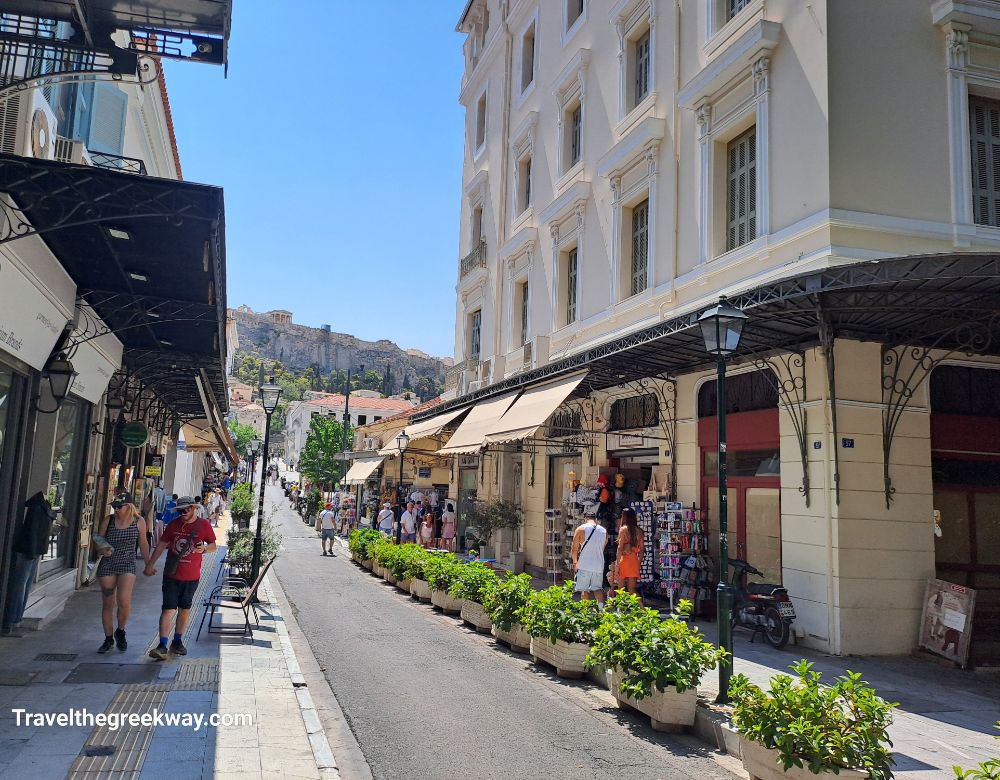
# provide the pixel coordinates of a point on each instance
(504, 604)
(415, 575)
(800, 727)
(360, 542)
(561, 628)
(655, 664)
(488, 517)
(473, 582)
(442, 571)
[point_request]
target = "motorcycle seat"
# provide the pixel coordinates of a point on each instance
(763, 589)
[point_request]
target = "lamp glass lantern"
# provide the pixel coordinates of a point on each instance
(61, 374)
(253, 448)
(722, 327)
(114, 404)
(402, 442)
(269, 395)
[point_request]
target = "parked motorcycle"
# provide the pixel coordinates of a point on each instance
(760, 607)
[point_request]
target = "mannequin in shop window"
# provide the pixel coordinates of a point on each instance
(31, 540)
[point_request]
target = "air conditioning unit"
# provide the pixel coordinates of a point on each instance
(70, 151)
(28, 126)
(536, 352)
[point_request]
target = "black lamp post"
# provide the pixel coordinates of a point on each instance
(402, 442)
(253, 450)
(269, 395)
(721, 327)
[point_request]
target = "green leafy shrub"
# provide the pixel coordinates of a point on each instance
(505, 602)
(417, 563)
(441, 571)
(242, 502)
(988, 770)
(822, 727)
(381, 550)
(399, 563)
(650, 653)
(555, 614)
(360, 541)
(314, 502)
(473, 582)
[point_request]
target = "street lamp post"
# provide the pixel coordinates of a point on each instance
(253, 450)
(402, 441)
(269, 395)
(721, 327)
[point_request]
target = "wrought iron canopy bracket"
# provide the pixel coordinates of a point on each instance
(788, 372)
(664, 390)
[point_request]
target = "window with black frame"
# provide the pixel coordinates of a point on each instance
(62, 491)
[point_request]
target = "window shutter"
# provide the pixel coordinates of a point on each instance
(984, 127)
(571, 271)
(640, 246)
(106, 132)
(741, 190)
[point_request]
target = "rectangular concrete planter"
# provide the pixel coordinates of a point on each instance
(420, 589)
(367, 563)
(474, 614)
(389, 577)
(762, 764)
(566, 657)
(517, 638)
(403, 584)
(667, 710)
(377, 569)
(451, 606)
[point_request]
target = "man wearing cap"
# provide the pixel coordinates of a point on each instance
(328, 528)
(186, 539)
(385, 519)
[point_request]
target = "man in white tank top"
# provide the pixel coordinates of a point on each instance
(588, 559)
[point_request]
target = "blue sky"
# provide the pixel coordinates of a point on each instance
(338, 139)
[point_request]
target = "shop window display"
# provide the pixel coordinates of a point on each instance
(63, 482)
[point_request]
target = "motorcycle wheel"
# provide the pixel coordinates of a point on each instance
(776, 630)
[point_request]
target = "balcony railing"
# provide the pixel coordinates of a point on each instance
(475, 259)
(116, 162)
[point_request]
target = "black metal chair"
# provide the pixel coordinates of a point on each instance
(234, 593)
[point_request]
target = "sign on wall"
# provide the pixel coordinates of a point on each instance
(30, 323)
(946, 623)
(155, 467)
(134, 434)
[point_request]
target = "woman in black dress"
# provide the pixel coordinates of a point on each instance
(116, 571)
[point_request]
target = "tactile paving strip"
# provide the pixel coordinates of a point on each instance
(130, 743)
(197, 675)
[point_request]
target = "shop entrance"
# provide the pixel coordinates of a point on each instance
(965, 451)
(468, 492)
(753, 468)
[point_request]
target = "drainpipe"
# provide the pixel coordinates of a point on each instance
(832, 623)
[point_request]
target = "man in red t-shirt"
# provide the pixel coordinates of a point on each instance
(186, 539)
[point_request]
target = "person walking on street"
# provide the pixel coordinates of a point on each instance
(448, 526)
(212, 502)
(327, 526)
(187, 539)
(409, 522)
(116, 570)
(427, 530)
(386, 519)
(587, 552)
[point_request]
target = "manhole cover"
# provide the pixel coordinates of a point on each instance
(113, 673)
(55, 657)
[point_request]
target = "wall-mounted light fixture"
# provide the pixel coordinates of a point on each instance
(59, 373)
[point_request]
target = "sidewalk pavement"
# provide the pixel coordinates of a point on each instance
(945, 717)
(57, 669)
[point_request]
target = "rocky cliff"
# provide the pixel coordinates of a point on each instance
(298, 347)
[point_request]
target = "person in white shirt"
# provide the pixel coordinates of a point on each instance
(200, 510)
(417, 497)
(409, 523)
(327, 522)
(386, 519)
(214, 504)
(587, 553)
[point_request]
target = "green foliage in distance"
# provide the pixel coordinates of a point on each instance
(318, 460)
(650, 653)
(360, 541)
(242, 434)
(505, 602)
(823, 727)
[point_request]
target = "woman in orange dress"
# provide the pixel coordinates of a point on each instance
(631, 549)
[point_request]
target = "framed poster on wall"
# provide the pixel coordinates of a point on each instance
(946, 623)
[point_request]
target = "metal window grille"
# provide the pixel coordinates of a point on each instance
(984, 127)
(572, 260)
(640, 246)
(524, 314)
(475, 331)
(641, 68)
(735, 6)
(575, 126)
(566, 422)
(636, 411)
(741, 195)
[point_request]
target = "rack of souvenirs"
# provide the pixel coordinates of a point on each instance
(554, 535)
(686, 569)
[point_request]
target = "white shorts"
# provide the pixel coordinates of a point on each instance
(589, 581)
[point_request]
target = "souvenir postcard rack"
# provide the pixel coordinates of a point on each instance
(686, 568)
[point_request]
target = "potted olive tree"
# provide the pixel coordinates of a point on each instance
(491, 517)
(561, 628)
(441, 572)
(655, 664)
(473, 583)
(504, 604)
(800, 727)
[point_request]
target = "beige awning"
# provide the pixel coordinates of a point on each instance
(531, 410)
(471, 434)
(359, 472)
(204, 436)
(389, 440)
(434, 425)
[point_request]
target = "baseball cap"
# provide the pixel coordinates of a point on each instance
(329, 505)
(186, 501)
(387, 505)
(122, 498)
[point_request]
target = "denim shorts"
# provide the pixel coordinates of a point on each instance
(178, 594)
(329, 533)
(409, 537)
(588, 581)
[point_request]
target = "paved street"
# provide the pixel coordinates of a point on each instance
(427, 698)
